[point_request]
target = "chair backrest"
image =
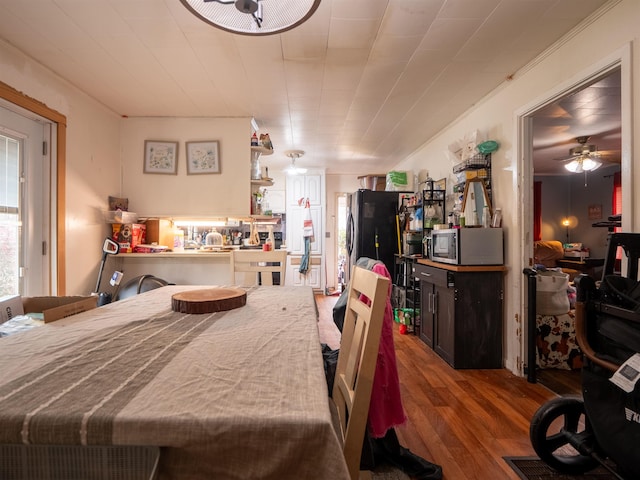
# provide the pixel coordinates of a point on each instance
(357, 360)
(250, 263)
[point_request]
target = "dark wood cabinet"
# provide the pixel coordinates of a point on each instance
(461, 314)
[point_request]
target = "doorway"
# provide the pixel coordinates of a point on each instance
(341, 241)
(548, 131)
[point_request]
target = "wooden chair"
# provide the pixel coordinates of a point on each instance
(357, 362)
(252, 262)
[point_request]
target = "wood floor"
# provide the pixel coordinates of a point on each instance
(463, 420)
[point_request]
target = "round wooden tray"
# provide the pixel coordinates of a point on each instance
(208, 300)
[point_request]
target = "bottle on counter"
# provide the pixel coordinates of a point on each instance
(271, 237)
(254, 140)
(178, 240)
(496, 221)
(486, 217)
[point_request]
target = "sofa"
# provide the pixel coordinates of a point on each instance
(547, 252)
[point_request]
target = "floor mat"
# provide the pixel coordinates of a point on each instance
(386, 472)
(532, 468)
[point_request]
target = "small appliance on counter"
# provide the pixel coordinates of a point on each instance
(467, 246)
(213, 238)
(412, 243)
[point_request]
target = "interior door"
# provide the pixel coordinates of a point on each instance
(24, 205)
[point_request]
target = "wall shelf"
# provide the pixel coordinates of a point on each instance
(258, 151)
(262, 183)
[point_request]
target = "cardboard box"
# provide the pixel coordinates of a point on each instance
(128, 235)
(10, 306)
(160, 231)
(55, 308)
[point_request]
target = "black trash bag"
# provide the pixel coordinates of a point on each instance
(330, 358)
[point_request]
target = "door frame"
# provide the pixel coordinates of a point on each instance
(58, 181)
(523, 180)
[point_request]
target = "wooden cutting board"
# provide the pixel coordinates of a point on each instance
(208, 300)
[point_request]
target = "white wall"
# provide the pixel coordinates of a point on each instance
(224, 194)
(495, 118)
(92, 161)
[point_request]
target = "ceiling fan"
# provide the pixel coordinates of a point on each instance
(584, 158)
(251, 7)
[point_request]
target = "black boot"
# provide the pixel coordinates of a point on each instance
(388, 449)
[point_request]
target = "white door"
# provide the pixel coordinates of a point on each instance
(24, 205)
(295, 222)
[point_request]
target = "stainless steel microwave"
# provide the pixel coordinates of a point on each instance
(467, 246)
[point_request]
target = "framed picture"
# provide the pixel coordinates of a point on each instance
(202, 157)
(595, 212)
(160, 157)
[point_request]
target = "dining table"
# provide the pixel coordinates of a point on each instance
(236, 394)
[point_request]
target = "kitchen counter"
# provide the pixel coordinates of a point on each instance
(463, 268)
(190, 267)
(185, 254)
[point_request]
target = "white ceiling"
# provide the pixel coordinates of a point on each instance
(358, 87)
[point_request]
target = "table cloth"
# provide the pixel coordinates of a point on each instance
(230, 395)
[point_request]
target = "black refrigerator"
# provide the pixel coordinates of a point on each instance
(371, 227)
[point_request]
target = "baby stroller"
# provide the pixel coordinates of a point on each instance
(574, 435)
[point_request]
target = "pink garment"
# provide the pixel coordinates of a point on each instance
(385, 409)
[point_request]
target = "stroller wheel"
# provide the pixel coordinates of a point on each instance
(556, 438)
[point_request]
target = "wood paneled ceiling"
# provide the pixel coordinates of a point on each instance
(358, 87)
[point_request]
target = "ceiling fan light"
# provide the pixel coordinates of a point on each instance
(590, 164)
(574, 166)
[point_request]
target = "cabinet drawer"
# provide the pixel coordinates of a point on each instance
(437, 276)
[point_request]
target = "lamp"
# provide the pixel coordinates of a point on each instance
(253, 17)
(566, 222)
(292, 169)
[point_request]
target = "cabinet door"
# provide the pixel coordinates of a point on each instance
(478, 298)
(296, 279)
(426, 312)
(293, 276)
(296, 189)
(428, 277)
(444, 323)
(313, 189)
(304, 186)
